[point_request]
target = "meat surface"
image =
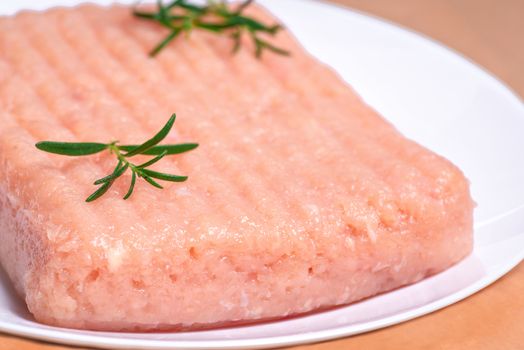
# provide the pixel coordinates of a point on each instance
(300, 196)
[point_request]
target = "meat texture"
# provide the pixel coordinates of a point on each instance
(300, 196)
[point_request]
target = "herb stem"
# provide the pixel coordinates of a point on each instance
(150, 147)
(217, 17)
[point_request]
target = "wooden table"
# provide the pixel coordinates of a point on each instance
(491, 33)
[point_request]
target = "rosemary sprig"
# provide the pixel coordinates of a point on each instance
(123, 153)
(181, 16)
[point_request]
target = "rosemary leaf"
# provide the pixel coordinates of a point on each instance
(153, 182)
(190, 7)
(165, 177)
(261, 44)
(236, 36)
(119, 170)
(170, 149)
(73, 149)
(153, 161)
(252, 24)
(154, 140)
(100, 192)
(164, 42)
(144, 15)
(215, 27)
(131, 186)
(243, 6)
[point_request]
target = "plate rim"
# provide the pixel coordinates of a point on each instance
(65, 336)
(59, 335)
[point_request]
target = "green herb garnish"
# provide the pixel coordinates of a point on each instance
(123, 153)
(181, 16)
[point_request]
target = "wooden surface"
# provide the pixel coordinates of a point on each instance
(490, 32)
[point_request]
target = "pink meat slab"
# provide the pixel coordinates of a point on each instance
(300, 196)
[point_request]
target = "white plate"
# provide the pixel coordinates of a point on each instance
(432, 95)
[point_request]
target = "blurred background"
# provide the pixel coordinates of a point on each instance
(491, 32)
